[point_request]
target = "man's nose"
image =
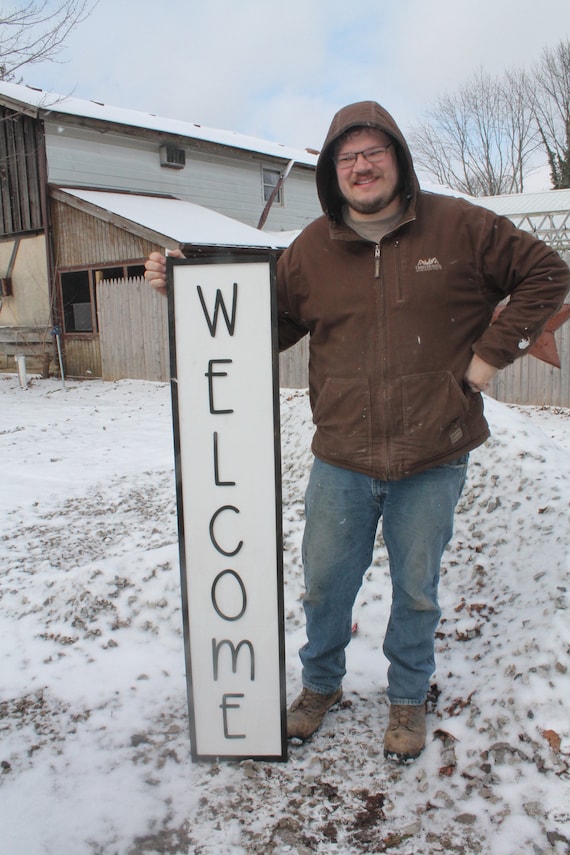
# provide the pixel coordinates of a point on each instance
(360, 163)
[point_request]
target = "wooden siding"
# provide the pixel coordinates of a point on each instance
(82, 356)
(230, 184)
(133, 330)
(34, 342)
(81, 240)
(531, 381)
(133, 324)
(20, 193)
(294, 366)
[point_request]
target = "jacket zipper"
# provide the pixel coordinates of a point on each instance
(377, 257)
(377, 275)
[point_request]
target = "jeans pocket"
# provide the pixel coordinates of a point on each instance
(460, 463)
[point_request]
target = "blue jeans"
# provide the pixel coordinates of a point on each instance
(342, 511)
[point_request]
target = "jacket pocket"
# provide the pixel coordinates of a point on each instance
(435, 419)
(342, 417)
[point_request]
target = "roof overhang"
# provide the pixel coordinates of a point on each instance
(68, 110)
(171, 223)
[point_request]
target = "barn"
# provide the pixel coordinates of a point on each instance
(211, 187)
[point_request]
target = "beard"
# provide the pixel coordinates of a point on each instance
(373, 206)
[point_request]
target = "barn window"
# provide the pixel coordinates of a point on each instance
(78, 292)
(78, 302)
(270, 178)
(135, 270)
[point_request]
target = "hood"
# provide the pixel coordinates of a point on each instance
(366, 114)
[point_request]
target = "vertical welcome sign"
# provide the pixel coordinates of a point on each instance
(225, 396)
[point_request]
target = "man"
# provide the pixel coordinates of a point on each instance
(396, 289)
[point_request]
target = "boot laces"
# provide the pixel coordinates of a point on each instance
(404, 716)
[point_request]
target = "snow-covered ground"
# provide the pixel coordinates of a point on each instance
(94, 746)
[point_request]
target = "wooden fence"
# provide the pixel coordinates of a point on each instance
(531, 381)
(133, 324)
(133, 330)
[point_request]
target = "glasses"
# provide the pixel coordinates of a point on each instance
(347, 159)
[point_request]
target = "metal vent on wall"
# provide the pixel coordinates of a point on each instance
(174, 158)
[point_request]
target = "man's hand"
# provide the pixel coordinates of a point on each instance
(479, 374)
(155, 269)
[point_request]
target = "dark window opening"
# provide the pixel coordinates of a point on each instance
(78, 290)
(78, 302)
(134, 271)
(109, 273)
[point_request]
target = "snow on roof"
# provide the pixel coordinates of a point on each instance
(51, 102)
(514, 204)
(550, 201)
(184, 222)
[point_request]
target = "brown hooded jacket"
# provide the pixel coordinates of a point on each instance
(394, 325)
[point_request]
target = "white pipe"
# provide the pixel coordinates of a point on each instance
(20, 360)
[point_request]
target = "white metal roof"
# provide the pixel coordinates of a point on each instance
(183, 222)
(550, 201)
(50, 102)
(546, 215)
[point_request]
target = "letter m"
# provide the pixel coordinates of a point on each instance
(217, 645)
(219, 305)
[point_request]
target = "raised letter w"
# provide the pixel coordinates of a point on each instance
(219, 304)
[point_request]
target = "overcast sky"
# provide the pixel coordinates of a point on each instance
(281, 70)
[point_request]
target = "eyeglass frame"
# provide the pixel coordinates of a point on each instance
(365, 154)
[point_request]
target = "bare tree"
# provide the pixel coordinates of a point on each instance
(520, 135)
(36, 31)
(549, 96)
(480, 139)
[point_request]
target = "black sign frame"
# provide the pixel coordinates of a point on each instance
(222, 312)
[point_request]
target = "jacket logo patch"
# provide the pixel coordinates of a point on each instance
(426, 264)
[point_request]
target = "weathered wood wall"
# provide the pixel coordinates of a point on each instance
(294, 366)
(80, 240)
(133, 328)
(133, 324)
(20, 182)
(531, 381)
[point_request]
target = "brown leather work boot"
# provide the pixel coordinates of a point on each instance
(405, 736)
(306, 713)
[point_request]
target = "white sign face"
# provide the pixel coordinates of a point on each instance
(226, 419)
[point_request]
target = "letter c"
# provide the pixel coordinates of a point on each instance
(212, 537)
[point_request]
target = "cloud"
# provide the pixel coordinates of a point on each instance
(280, 70)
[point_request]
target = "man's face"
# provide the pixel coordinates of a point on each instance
(369, 188)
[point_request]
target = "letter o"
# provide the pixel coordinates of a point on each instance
(243, 595)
